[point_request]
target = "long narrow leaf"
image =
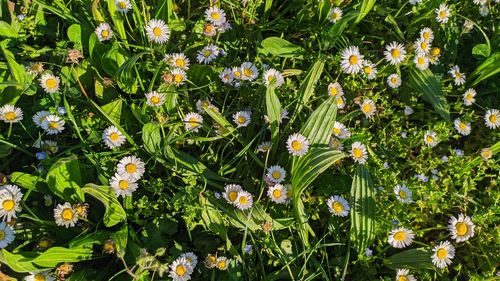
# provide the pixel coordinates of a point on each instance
(426, 83)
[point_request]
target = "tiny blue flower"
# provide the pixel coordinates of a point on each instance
(248, 249)
(444, 159)
(41, 155)
(61, 110)
(217, 195)
(459, 152)
(404, 135)
(386, 165)
(21, 17)
(368, 252)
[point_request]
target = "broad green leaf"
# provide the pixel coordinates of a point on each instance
(212, 218)
(127, 76)
(29, 182)
(75, 34)
(366, 7)
(90, 239)
(426, 83)
(273, 113)
(362, 210)
(17, 71)
(419, 258)
(151, 138)
(481, 50)
(113, 110)
(306, 89)
(21, 262)
(487, 69)
(114, 211)
(318, 128)
(281, 47)
(6, 30)
(121, 238)
(116, 122)
(117, 18)
(113, 59)
(64, 179)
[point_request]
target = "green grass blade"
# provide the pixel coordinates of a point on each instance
(426, 83)
(419, 258)
(487, 69)
(273, 113)
(366, 7)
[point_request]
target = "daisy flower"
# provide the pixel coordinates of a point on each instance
(422, 46)
(484, 11)
(394, 81)
(368, 108)
(178, 60)
(34, 68)
(65, 215)
(369, 70)
(112, 137)
(358, 152)
(443, 254)
(335, 144)
(486, 153)
(215, 15)
(277, 194)
(434, 55)
(103, 32)
(400, 237)
(351, 60)
(404, 275)
(431, 139)
(297, 144)
(461, 229)
(273, 75)
(462, 128)
(335, 14)
(131, 168)
(39, 117)
(414, 2)
(340, 130)
(179, 76)
(395, 53)
(231, 192)
(190, 257)
(427, 34)
(408, 110)
(53, 124)
(338, 206)
(468, 97)
(249, 71)
(403, 194)
(335, 89)
(226, 76)
(480, 2)
(207, 54)
(49, 83)
(155, 99)
(10, 196)
(6, 235)
(202, 104)
(457, 75)
(180, 270)
(442, 13)
(10, 114)
(492, 118)
(222, 263)
(209, 29)
(242, 118)
(244, 200)
(264, 147)
(157, 31)
(40, 276)
(193, 121)
(123, 6)
(122, 185)
(340, 102)
(421, 61)
(50, 146)
(276, 174)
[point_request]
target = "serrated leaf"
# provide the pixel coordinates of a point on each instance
(426, 83)
(114, 211)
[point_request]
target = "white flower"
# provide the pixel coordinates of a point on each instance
(340, 130)
(431, 139)
(244, 200)
(486, 153)
(112, 137)
(395, 53)
(49, 146)
(369, 70)
(264, 147)
(427, 34)
(421, 61)
(6, 235)
(415, 2)
(400, 237)
(34, 68)
(442, 13)
(358, 152)
(231, 192)
(155, 99)
(461, 229)
(404, 275)
(434, 55)
(207, 54)
(39, 117)
(468, 97)
(103, 32)
(65, 215)
(273, 75)
(335, 90)
(179, 76)
(335, 144)
(178, 60)
(131, 168)
(10, 198)
(202, 104)
(276, 174)
(157, 31)
(53, 124)
(422, 46)
(180, 270)
(215, 15)
(394, 81)
(123, 5)
(484, 11)
(492, 118)
(368, 108)
(403, 194)
(480, 2)
(443, 254)
(10, 114)
(462, 128)
(49, 83)
(226, 76)
(340, 102)
(338, 206)
(191, 257)
(352, 60)
(242, 118)
(408, 110)
(249, 71)
(193, 121)
(335, 14)
(277, 194)
(122, 185)
(457, 75)
(297, 144)
(40, 276)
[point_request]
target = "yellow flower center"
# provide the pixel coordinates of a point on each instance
(54, 125)
(178, 78)
(395, 53)
(423, 45)
(221, 264)
(8, 205)
(400, 236)
(241, 119)
(461, 228)
(357, 152)
(114, 136)
(247, 72)
(420, 60)
(333, 91)
(155, 99)
(215, 15)
(468, 97)
(296, 145)
(462, 126)
(67, 214)
(180, 62)
(429, 139)
(131, 168)
(276, 175)
(435, 51)
(180, 270)
(335, 16)
(212, 259)
(493, 118)
(442, 253)
(276, 193)
(157, 31)
(232, 195)
(486, 153)
(209, 28)
(353, 59)
(367, 69)
(193, 122)
(43, 243)
(366, 108)
(123, 184)
(442, 14)
(122, 5)
(39, 277)
(394, 80)
(337, 207)
(340, 101)
(426, 35)
(402, 278)
(336, 131)
(207, 53)
(104, 34)
(243, 200)
(402, 194)
(51, 83)
(9, 116)
(2, 235)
